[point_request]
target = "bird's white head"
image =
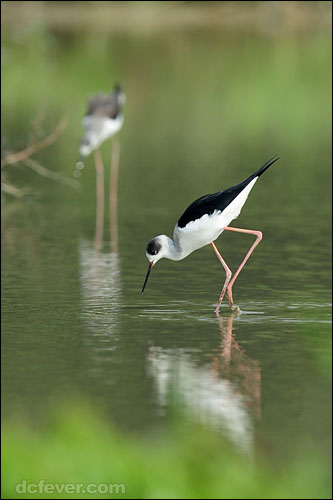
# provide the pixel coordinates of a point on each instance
(157, 248)
(87, 144)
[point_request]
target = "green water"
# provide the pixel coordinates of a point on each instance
(203, 111)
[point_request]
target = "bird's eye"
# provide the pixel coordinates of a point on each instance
(153, 247)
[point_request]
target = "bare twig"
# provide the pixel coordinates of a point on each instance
(36, 146)
(12, 190)
(55, 176)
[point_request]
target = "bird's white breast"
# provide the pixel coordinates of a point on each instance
(98, 128)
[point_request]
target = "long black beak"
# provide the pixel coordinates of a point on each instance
(150, 267)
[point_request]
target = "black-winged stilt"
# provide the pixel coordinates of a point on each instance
(202, 223)
(104, 118)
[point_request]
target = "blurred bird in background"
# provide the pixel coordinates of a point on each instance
(104, 118)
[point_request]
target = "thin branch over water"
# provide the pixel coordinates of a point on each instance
(55, 176)
(12, 190)
(12, 158)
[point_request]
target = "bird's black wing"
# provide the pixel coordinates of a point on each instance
(96, 103)
(219, 201)
(208, 204)
(106, 105)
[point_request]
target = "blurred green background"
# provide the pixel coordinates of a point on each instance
(101, 384)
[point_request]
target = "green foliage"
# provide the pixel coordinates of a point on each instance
(186, 461)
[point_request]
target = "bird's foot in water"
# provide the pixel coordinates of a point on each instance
(235, 308)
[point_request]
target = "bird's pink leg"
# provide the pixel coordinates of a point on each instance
(258, 234)
(99, 197)
(113, 195)
(227, 278)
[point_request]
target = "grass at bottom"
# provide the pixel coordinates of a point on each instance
(77, 447)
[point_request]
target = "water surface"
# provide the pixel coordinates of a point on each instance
(196, 122)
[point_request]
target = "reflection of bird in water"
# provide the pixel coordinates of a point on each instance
(100, 291)
(202, 223)
(233, 364)
(225, 394)
(104, 118)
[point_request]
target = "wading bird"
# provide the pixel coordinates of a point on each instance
(202, 223)
(104, 118)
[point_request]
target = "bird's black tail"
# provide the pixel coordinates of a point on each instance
(242, 185)
(262, 169)
(117, 88)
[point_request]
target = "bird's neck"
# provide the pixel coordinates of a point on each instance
(174, 250)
